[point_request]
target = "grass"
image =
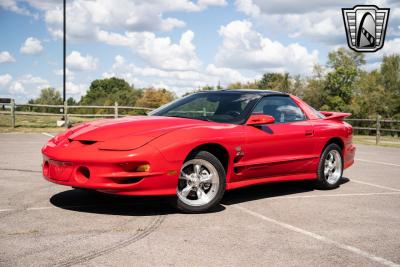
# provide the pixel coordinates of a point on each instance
(390, 141)
(29, 124)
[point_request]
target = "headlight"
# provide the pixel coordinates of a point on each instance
(126, 143)
(62, 136)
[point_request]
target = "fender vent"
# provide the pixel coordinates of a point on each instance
(87, 142)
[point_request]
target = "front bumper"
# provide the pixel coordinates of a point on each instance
(91, 168)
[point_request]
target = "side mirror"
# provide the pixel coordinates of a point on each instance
(260, 120)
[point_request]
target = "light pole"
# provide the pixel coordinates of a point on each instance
(64, 51)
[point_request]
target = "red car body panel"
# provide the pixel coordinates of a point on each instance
(103, 155)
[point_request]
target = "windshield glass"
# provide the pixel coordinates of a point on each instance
(225, 107)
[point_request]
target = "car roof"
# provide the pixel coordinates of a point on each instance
(247, 91)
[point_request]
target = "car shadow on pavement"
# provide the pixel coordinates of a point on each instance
(265, 191)
(94, 202)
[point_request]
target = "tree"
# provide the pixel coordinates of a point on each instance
(111, 90)
(71, 101)
(338, 90)
(390, 79)
(369, 96)
(48, 96)
(275, 81)
(239, 85)
(153, 98)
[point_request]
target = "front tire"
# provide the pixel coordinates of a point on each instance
(201, 183)
(330, 168)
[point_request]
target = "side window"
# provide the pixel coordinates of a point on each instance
(282, 108)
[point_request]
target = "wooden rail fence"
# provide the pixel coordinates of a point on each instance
(362, 125)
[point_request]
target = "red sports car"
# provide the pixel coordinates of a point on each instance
(201, 145)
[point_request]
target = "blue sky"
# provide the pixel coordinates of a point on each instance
(179, 45)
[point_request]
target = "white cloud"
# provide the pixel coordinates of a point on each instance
(319, 21)
(88, 17)
(70, 74)
(390, 47)
(12, 5)
(159, 52)
(244, 48)
(5, 79)
(31, 46)
(204, 3)
(17, 88)
(6, 57)
(81, 63)
(290, 6)
(76, 90)
(27, 86)
(178, 81)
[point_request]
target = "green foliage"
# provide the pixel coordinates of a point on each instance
(275, 81)
(153, 98)
(340, 81)
(390, 80)
(239, 85)
(341, 85)
(49, 96)
(106, 92)
(369, 94)
(71, 101)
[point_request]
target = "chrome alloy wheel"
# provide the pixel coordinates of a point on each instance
(333, 167)
(198, 182)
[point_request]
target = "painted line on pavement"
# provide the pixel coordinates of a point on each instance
(375, 185)
(321, 238)
(47, 134)
(288, 197)
(339, 195)
(378, 162)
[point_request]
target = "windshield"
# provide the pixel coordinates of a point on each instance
(223, 107)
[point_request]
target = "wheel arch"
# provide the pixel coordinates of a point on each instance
(334, 140)
(218, 150)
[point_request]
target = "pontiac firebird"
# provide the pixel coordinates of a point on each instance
(199, 146)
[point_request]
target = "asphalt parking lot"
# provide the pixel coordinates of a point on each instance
(43, 224)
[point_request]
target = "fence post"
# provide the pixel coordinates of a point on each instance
(116, 110)
(12, 113)
(378, 129)
(66, 114)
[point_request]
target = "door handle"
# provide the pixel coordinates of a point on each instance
(309, 132)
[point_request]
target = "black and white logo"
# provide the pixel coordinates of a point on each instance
(365, 27)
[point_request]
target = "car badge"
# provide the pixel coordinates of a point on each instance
(365, 27)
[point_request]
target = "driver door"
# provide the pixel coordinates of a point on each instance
(282, 148)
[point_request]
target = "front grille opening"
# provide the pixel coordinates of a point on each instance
(84, 172)
(87, 142)
(130, 180)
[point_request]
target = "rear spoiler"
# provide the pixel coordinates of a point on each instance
(339, 116)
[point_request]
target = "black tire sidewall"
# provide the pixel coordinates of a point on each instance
(322, 183)
(204, 155)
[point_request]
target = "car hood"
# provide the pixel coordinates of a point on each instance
(148, 126)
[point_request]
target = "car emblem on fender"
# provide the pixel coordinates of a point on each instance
(365, 27)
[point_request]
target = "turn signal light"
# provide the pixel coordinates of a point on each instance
(143, 168)
(135, 167)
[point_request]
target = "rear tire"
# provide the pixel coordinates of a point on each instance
(330, 168)
(201, 183)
